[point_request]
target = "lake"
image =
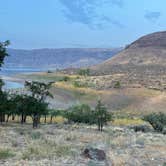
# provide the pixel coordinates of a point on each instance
(12, 85)
(13, 71)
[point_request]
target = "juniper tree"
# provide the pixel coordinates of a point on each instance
(3, 54)
(102, 115)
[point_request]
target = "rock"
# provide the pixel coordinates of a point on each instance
(164, 131)
(94, 154)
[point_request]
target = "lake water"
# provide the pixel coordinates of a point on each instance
(12, 71)
(12, 85)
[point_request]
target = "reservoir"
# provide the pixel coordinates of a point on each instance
(9, 84)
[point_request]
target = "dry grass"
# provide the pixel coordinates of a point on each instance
(62, 145)
(127, 122)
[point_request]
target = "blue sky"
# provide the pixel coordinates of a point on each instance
(79, 23)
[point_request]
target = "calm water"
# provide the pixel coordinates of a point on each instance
(13, 71)
(12, 85)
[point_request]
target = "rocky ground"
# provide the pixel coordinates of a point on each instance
(63, 145)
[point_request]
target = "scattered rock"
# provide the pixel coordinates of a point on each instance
(94, 154)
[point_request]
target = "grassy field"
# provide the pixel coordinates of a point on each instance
(123, 101)
(62, 145)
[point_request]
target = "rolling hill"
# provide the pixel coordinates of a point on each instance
(142, 63)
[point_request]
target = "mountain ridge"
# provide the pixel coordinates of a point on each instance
(57, 58)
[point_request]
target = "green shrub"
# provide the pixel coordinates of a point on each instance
(117, 85)
(84, 114)
(5, 153)
(142, 128)
(49, 71)
(65, 78)
(84, 72)
(81, 114)
(157, 120)
(35, 135)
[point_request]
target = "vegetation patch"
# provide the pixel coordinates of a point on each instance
(6, 153)
(127, 122)
(158, 121)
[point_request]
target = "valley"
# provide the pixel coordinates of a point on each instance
(130, 89)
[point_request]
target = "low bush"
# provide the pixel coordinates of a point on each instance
(84, 114)
(142, 128)
(157, 120)
(117, 85)
(81, 114)
(35, 135)
(5, 153)
(65, 78)
(84, 72)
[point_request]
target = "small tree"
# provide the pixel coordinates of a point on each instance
(84, 72)
(3, 105)
(102, 116)
(117, 85)
(3, 54)
(39, 91)
(81, 114)
(35, 109)
(20, 106)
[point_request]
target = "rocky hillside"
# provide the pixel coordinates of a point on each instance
(141, 63)
(57, 58)
(148, 50)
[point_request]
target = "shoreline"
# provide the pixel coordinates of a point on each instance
(12, 79)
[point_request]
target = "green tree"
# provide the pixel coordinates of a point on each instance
(39, 90)
(117, 85)
(3, 54)
(3, 105)
(35, 109)
(102, 115)
(81, 114)
(84, 72)
(39, 93)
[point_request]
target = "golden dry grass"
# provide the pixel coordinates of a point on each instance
(62, 145)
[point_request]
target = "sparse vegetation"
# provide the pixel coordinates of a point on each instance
(142, 128)
(117, 85)
(157, 120)
(81, 114)
(5, 153)
(102, 115)
(84, 72)
(69, 131)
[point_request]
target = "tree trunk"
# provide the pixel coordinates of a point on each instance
(25, 117)
(22, 118)
(35, 121)
(45, 119)
(51, 119)
(2, 117)
(7, 120)
(13, 117)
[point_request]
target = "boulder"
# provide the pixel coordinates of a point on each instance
(94, 154)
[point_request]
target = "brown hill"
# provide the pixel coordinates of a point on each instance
(150, 49)
(142, 62)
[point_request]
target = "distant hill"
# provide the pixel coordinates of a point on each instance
(148, 50)
(143, 62)
(57, 58)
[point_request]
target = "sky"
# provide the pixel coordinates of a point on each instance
(32, 24)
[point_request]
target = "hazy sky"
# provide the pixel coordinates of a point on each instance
(79, 23)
